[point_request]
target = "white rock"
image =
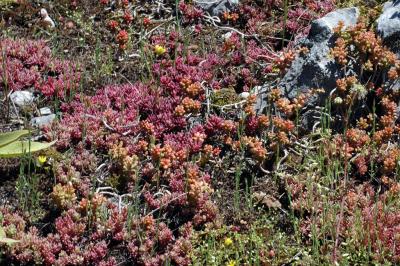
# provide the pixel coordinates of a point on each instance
(45, 111)
(43, 120)
(22, 98)
(46, 18)
(244, 95)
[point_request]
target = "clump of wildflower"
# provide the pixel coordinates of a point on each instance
(159, 50)
(231, 263)
(122, 39)
(63, 196)
(228, 241)
(146, 22)
(128, 17)
(338, 100)
(30, 65)
(113, 25)
(41, 160)
(359, 91)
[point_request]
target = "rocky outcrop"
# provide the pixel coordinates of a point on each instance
(388, 25)
(43, 120)
(317, 69)
(22, 98)
(216, 7)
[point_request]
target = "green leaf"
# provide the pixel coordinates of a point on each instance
(8, 137)
(6, 240)
(19, 148)
(2, 232)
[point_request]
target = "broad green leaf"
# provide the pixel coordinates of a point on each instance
(6, 240)
(8, 137)
(19, 148)
(2, 232)
(5, 2)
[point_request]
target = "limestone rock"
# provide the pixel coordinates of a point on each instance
(317, 69)
(22, 98)
(388, 25)
(43, 120)
(216, 7)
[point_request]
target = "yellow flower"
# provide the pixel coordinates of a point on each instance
(231, 263)
(228, 241)
(159, 50)
(42, 159)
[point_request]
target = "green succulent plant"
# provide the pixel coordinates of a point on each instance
(224, 96)
(12, 146)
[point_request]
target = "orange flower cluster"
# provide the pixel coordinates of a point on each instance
(387, 121)
(197, 186)
(339, 52)
(285, 61)
(192, 89)
(249, 105)
(230, 16)
(291, 107)
(189, 105)
(394, 71)
(394, 187)
(256, 148)
(390, 108)
(357, 138)
(342, 148)
(281, 136)
(283, 124)
(343, 85)
(148, 222)
(228, 126)
(92, 205)
(274, 95)
(180, 110)
(391, 158)
(143, 145)
(208, 152)
(383, 135)
(263, 121)
(148, 127)
(361, 165)
(364, 123)
(369, 48)
(167, 156)
(199, 137)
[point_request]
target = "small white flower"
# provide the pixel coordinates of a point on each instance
(338, 100)
(359, 91)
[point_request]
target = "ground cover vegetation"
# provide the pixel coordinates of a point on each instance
(158, 156)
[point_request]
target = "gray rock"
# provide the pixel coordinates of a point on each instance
(22, 98)
(316, 69)
(43, 120)
(388, 25)
(322, 29)
(216, 7)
